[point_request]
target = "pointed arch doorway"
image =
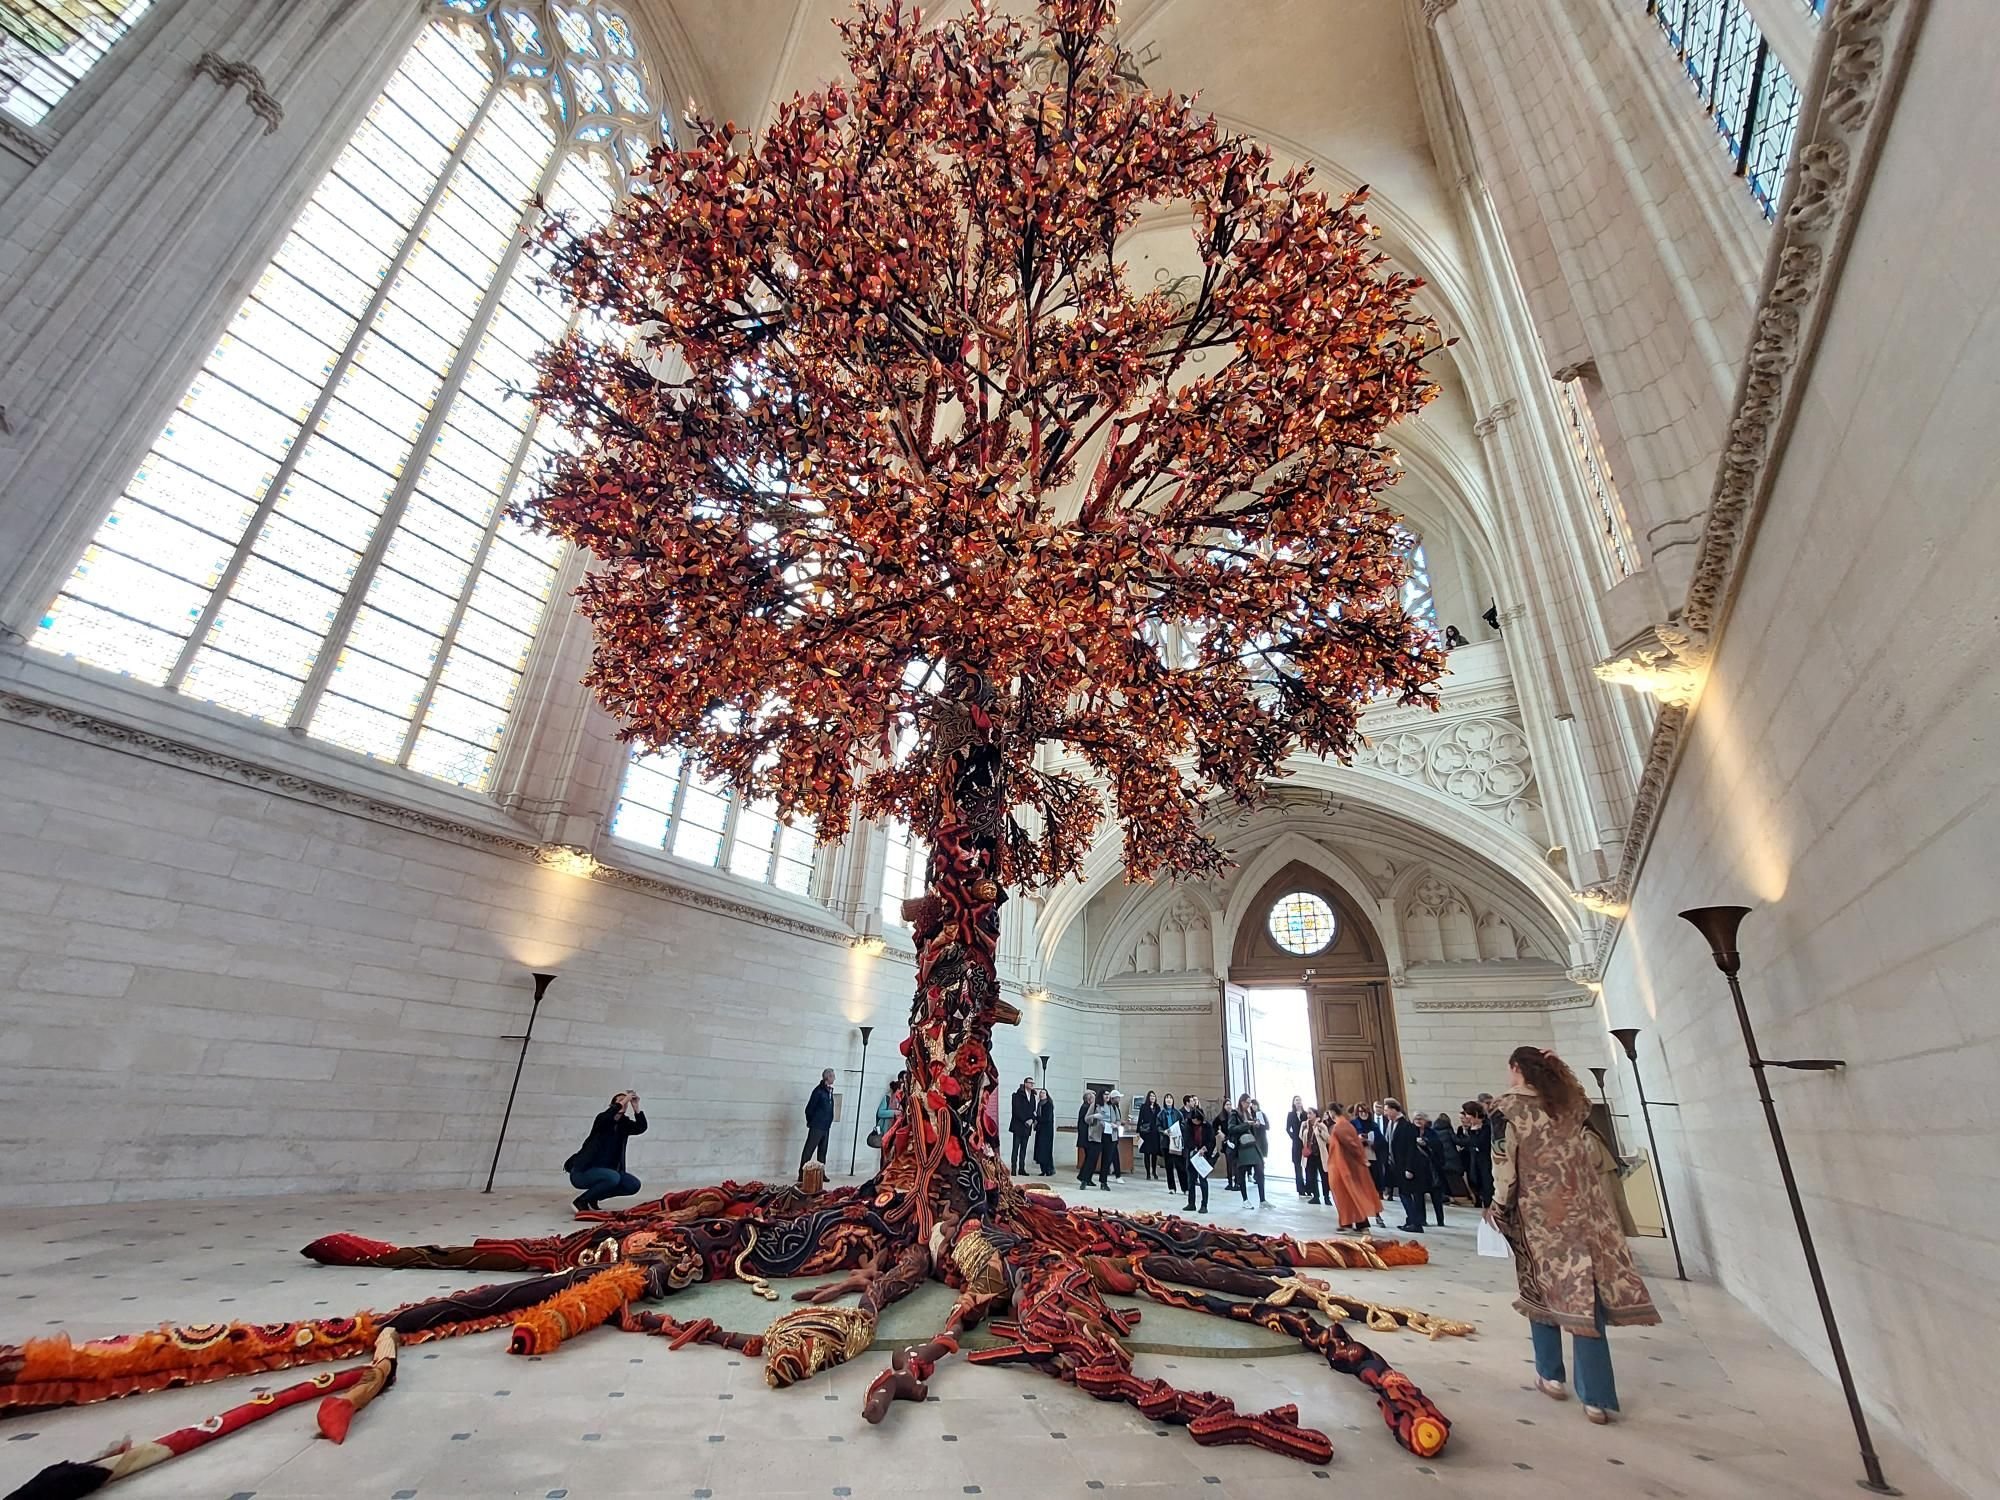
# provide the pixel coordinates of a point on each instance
(1302, 932)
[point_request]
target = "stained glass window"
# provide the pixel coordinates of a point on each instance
(664, 805)
(1608, 512)
(1301, 923)
(903, 860)
(1748, 96)
(46, 46)
(319, 535)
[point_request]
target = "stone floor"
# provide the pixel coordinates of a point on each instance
(1714, 1406)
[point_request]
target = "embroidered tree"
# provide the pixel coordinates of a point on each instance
(898, 489)
(894, 447)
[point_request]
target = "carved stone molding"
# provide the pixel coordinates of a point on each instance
(1434, 10)
(1663, 660)
(1483, 762)
(1485, 425)
(79, 725)
(1863, 55)
(262, 105)
(1559, 1002)
(20, 138)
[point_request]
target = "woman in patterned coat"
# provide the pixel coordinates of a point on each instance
(1572, 1264)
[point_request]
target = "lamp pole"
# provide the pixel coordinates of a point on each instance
(1610, 1121)
(542, 983)
(1718, 924)
(854, 1146)
(1628, 1038)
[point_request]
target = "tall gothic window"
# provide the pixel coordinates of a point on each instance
(1608, 512)
(665, 805)
(903, 859)
(1419, 601)
(46, 46)
(319, 536)
(1749, 97)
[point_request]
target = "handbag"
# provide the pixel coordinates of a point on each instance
(1492, 1243)
(875, 1140)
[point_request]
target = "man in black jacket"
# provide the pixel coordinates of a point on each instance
(597, 1168)
(1409, 1168)
(819, 1120)
(1021, 1123)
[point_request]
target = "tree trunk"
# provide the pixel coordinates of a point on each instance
(945, 1152)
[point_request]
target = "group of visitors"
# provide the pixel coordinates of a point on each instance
(1419, 1158)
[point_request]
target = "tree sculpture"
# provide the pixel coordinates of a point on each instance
(898, 487)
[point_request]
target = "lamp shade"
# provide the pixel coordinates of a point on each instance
(866, 1032)
(1718, 924)
(1628, 1038)
(1598, 1074)
(542, 983)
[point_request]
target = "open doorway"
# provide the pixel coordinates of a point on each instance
(1281, 1048)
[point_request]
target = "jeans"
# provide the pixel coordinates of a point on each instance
(598, 1183)
(815, 1144)
(1176, 1170)
(1315, 1181)
(1243, 1179)
(1097, 1155)
(1299, 1161)
(1595, 1385)
(1413, 1206)
(1196, 1183)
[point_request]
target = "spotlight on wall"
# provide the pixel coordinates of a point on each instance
(1602, 899)
(567, 859)
(1035, 994)
(1492, 614)
(868, 943)
(1718, 925)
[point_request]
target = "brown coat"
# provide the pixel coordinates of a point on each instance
(1550, 1200)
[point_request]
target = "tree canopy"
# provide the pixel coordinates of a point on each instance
(872, 396)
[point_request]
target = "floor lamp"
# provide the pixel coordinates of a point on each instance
(1718, 924)
(1045, 1072)
(1628, 1038)
(1610, 1120)
(854, 1147)
(542, 983)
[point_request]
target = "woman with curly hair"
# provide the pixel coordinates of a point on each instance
(1572, 1264)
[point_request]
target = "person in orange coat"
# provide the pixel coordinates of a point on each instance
(1354, 1191)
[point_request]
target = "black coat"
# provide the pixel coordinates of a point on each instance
(1293, 1120)
(1045, 1127)
(1406, 1155)
(1149, 1127)
(605, 1145)
(1444, 1149)
(1021, 1113)
(1479, 1161)
(819, 1108)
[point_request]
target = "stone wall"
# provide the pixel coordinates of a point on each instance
(1840, 778)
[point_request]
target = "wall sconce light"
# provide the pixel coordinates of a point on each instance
(1035, 994)
(868, 943)
(567, 859)
(1718, 924)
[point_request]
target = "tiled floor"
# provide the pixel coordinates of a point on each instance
(1714, 1406)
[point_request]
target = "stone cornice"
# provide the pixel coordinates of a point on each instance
(1850, 100)
(23, 140)
(79, 724)
(1546, 1003)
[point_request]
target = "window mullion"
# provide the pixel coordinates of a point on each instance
(274, 491)
(730, 808)
(522, 450)
(1750, 100)
(399, 500)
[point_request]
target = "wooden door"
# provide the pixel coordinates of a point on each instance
(1354, 1041)
(1236, 1040)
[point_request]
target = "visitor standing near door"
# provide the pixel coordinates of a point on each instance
(1250, 1139)
(1298, 1125)
(1571, 1263)
(597, 1167)
(1407, 1166)
(819, 1120)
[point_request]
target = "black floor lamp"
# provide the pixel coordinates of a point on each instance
(542, 983)
(1628, 1038)
(854, 1147)
(1718, 924)
(1610, 1120)
(1045, 1072)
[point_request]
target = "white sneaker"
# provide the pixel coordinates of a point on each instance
(1555, 1390)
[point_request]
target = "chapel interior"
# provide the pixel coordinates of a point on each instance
(331, 899)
